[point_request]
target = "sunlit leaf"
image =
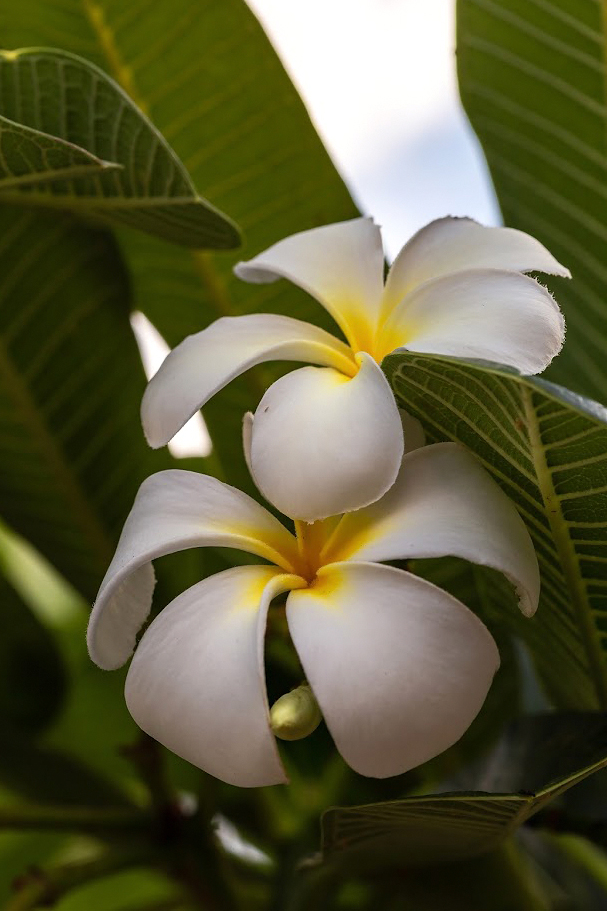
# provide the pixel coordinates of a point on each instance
(547, 448)
(532, 79)
(148, 188)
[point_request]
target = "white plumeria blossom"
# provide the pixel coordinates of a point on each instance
(332, 430)
(399, 667)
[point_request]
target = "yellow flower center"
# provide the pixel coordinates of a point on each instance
(311, 539)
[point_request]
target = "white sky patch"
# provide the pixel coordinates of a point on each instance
(193, 439)
(378, 78)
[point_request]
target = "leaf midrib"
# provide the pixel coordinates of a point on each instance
(566, 552)
(61, 200)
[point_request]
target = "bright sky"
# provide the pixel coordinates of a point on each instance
(378, 78)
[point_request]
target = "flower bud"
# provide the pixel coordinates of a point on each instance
(296, 714)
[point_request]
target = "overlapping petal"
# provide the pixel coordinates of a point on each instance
(197, 683)
(175, 510)
(206, 362)
(341, 265)
(400, 668)
(323, 443)
(443, 504)
(450, 245)
(483, 313)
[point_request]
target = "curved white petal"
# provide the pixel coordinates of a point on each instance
(323, 444)
(174, 510)
(443, 503)
(498, 316)
(450, 245)
(196, 683)
(206, 362)
(400, 668)
(341, 265)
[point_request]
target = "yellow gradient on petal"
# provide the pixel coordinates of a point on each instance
(311, 540)
(253, 593)
(355, 531)
(279, 548)
(328, 586)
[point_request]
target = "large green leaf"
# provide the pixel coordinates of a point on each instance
(64, 96)
(532, 77)
(30, 157)
(538, 759)
(547, 448)
(208, 78)
(71, 448)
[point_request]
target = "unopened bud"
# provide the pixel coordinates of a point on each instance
(296, 714)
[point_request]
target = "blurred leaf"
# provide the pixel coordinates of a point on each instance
(131, 890)
(71, 449)
(547, 448)
(532, 79)
(208, 78)
(544, 755)
(575, 870)
(32, 676)
(30, 157)
(19, 852)
(502, 880)
(146, 186)
(49, 776)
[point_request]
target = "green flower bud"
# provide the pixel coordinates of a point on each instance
(296, 714)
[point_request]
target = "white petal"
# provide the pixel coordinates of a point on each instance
(498, 316)
(443, 504)
(206, 362)
(341, 265)
(174, 510)
(450, 245)
(400, 668)
(196, 683)
(323, 444)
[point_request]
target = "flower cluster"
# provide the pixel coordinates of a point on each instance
(398, 667)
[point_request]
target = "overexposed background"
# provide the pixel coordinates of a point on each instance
(378, 79)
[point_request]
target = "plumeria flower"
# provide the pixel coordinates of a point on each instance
(329, 440)
(398, 667)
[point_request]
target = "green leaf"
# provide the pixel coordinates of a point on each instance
(145, 186)
(532, 78)
(72, 453)
(32, 676)
(538, 759)
(30, 157)
(547, 448)
(209, 79)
